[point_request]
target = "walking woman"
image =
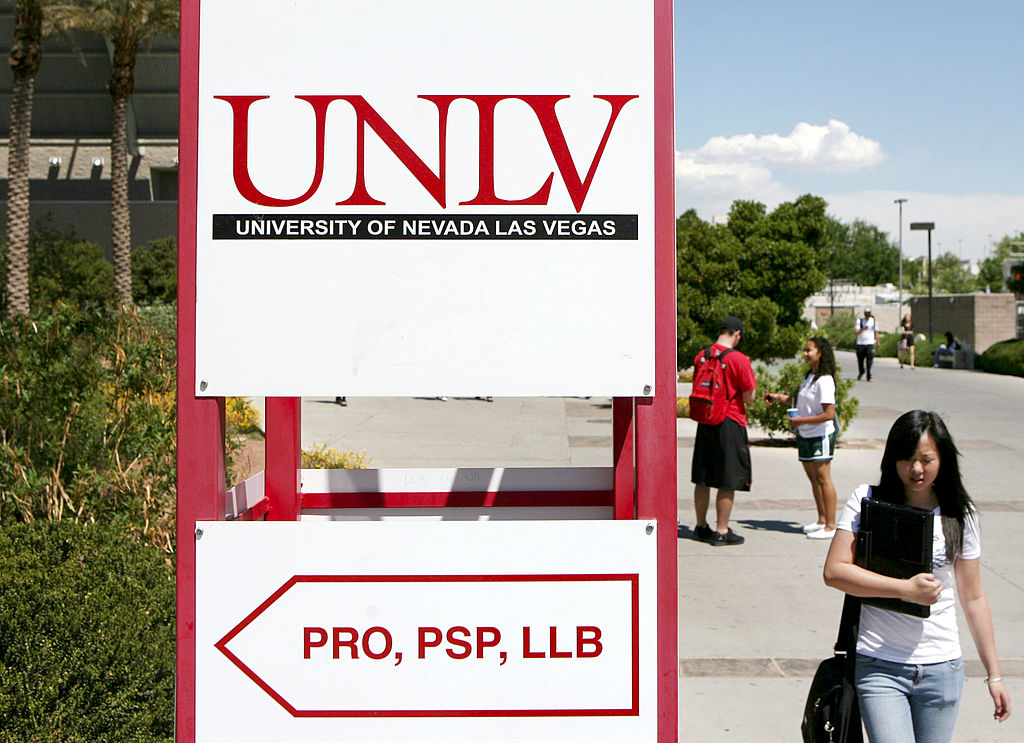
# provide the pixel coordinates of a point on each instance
(906, 340)
(816, 431)
(909, 669)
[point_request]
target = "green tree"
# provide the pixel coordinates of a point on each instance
(864, 254)
(950, 276)
(760, 267)
(803, 221)
(126, 25)
(913, 273)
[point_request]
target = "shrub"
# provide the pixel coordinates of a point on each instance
(773, 418)
(320, 457)
(155, 272)
(840, 333)
(241, 417)
(63, 268)
(87, 419)
(1005, 357)
(86, 636)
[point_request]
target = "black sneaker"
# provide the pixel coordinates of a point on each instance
(703, 533)
(724, 540)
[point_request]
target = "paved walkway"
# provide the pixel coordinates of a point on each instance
(754, 619)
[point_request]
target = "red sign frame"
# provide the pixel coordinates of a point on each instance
(644, 427)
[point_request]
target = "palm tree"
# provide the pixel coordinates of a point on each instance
(127, 25)
(26, 54)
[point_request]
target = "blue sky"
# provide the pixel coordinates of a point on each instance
(860, 103)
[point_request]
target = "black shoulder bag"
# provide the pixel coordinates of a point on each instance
(831, 714)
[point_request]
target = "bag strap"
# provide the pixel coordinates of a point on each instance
(849, 624)
(708, 355)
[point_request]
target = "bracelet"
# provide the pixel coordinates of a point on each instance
(996, 680)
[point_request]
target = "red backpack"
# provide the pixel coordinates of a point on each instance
(708, 403)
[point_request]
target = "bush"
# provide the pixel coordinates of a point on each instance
(241, 418)
(773, 418)
(63, 268)
(840, 333)
(86, 636)
(87, 419)
(1005, 357)
(155, 272)
(320, 457)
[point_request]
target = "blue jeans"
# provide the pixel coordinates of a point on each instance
(908, 703)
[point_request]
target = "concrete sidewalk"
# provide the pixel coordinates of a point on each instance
(754, 620)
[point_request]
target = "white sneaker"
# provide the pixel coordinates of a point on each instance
(822, 534)
(812, 528)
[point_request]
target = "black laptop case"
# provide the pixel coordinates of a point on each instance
(895, 540)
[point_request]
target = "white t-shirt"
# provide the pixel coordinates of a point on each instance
(814, 394)
(901, 638)
(866, 331)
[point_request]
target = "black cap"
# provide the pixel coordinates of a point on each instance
(732, 324)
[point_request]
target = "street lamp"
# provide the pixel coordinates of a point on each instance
(927, 226)
(901, 202)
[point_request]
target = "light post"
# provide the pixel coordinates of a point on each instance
(927, 226)
(901, 202)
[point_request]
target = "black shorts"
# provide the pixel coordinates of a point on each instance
(721, 457)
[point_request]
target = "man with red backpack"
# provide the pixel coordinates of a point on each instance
(723, 383)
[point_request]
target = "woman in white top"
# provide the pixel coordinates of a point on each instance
(816, 431)
(909, 669)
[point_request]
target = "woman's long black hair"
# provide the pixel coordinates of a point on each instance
(954, 503)
(827, 362)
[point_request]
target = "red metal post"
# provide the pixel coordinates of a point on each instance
(284, 457)
(622, 453)
(200, 420)
(656, 417)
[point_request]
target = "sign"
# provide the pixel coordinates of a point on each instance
(429, 197)
(563, 651)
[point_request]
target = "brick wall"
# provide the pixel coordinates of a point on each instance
(976, 319)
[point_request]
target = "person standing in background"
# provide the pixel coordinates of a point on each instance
(815, 425)
(867, 342)
(721, 454)
(906, 340)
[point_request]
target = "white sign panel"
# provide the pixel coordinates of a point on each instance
(425, 197)
(363, 632)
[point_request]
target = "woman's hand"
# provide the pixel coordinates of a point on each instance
(923, 588)
(770, 397)
(1001, 698)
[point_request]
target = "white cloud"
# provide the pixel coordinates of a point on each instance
(722, 176)
(833, 148)
(742, 166)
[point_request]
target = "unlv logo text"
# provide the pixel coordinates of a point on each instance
(543, 107)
